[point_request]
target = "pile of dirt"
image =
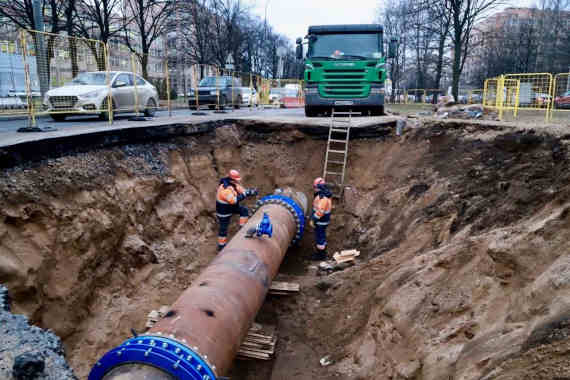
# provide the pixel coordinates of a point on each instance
(463, 271)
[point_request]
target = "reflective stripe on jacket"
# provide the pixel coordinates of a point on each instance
(228, 197)
(322, 207)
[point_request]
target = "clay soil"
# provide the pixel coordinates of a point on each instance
(463, 231)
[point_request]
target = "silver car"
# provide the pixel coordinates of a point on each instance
(88, 93)
(249, 97)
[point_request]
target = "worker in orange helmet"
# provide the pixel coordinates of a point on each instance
(320, 217)
(230, 194)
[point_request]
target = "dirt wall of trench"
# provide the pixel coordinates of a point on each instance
(464, 238)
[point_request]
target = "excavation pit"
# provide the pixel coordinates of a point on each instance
(463, 230)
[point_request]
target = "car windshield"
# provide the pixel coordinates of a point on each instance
(345, 46)
(91, 79)
(277, 91)
(213, 82)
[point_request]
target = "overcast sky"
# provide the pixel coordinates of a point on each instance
(293, 17)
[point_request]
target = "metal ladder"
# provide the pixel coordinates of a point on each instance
(337, 150)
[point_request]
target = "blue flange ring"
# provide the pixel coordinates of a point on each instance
(166, 354)
(293, 208)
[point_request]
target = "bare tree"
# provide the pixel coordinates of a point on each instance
(99, 20)
(394, 17)
(145, 22)
(229, 15)
(462, 16)
(199, 41)
(21, 13)
(438, 26)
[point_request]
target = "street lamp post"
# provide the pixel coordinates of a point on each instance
(265, 20)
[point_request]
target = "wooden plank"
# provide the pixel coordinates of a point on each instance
(346, 255)
(278, 285)
(259, 343)
(284, 288)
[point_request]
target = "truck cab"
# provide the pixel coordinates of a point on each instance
(344, 69)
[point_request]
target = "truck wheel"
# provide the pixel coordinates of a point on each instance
(310, 111)
(377, 111)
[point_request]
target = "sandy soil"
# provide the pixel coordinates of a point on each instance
(464, 240)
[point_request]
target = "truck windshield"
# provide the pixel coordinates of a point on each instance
(346, 46)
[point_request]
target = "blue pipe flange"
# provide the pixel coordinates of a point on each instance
(161, 352)
(292, 207)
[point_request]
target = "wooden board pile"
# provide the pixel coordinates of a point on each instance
(346, 256)
(259, 343)
(284, 288)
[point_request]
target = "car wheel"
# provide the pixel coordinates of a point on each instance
(105, 115)
(58, 116)
(150, 109)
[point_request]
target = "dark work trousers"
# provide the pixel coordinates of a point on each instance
(224, 222)
(321, 236)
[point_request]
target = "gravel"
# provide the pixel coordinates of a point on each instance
(27, 352)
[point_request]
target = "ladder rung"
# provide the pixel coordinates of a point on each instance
(335, 162)
(333, 173)
(337, 151)
(338, 141)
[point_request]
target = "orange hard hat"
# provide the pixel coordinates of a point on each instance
(234, 174)
(318, 181)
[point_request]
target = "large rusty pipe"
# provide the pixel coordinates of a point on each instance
(203, 330)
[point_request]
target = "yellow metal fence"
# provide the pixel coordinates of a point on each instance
(63, 76)
(528, 94)
(560, 96)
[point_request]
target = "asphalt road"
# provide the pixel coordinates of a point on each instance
(12, 124)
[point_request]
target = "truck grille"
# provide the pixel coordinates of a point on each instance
(63, 102)
(344, 83)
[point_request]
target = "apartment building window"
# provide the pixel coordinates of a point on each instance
(115, 62)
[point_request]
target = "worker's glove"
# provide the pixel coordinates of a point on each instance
(251, 192)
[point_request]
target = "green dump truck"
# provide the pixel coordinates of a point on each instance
(344, 68)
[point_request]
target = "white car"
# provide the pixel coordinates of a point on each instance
(249, 96)
(275, 95)
(88, 93)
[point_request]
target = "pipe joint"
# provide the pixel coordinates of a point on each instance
(291, 206)
(160, 352)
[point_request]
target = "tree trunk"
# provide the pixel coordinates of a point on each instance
(72, 42)
(73, 53)
(456, 69)
(439, 64)
(144, 64)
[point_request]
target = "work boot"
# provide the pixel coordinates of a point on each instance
(319, 255)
